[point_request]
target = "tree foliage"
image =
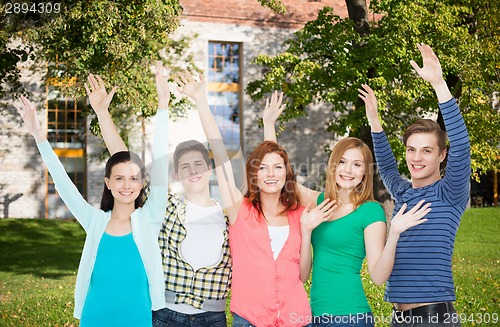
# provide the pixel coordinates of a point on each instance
(328, 59)
(117, 39)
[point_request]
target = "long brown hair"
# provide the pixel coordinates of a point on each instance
(364, 191)
(289, 193)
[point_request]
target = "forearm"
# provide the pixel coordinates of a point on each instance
(269, 131)
(211, 131)
(159, 166)
(382, 269)
(376, 126)
(442, 91)
(111, 137)
(305, 256)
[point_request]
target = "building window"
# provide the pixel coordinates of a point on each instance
(225, 100)
(66, 131)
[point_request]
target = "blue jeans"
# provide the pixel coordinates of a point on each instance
(169, 318)
(352, 320)
(242, 322)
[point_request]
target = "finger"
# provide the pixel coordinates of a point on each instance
(283, 106)
(416, 206)
(267, 103)
(323, 204)
(280, 98)
(183, 77)
(92, 82)
(202, 78)
(100, 81)
(178, 82)
(112, 92)
(402, 210)
(415, 66)
(87, 89)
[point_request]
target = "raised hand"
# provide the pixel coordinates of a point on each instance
(368, 96)
(312, 217)
(162, 87)
(30, 119)
(191, 87)
(98, 97)
(274, 108)
(431, 69)
(415, 216)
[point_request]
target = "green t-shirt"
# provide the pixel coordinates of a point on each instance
(338, 252)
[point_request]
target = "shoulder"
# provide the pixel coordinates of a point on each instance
(372, 211)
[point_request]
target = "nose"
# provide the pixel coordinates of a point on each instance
(192, 170)
(270, 172)
(417, 156)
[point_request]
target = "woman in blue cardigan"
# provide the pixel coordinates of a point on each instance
(120, 276)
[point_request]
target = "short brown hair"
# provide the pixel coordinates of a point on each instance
(364, 191)
(289, 193)
(427, 126)
(190, 146)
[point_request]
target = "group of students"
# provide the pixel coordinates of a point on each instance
(171, 259)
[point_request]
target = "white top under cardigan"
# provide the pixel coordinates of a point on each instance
(146, 221)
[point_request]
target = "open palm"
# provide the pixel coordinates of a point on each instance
(98, 96)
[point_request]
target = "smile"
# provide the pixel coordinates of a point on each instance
(346, 178)
(126, 193)
(195, 179)
(418, 166)
(272, 182)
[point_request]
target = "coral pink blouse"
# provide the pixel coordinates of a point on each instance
(265, 291)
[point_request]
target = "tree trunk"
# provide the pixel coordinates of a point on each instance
(358, 13)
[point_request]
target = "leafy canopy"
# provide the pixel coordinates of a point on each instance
(327, 61)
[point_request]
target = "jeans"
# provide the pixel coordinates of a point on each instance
(169, 318)
(352, 320)
(242, 322)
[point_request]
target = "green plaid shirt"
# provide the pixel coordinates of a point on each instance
(191, 287)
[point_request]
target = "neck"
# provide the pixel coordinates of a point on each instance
(418, 183)
(200, 198)
(271, 203)
(343, 196)
(122, 211)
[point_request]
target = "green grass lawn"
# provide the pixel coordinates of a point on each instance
(39, 259)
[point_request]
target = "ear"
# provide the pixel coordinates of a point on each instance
(442, 155)
(106, 181)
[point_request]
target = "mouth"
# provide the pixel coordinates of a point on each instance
(125, 193)
(418, 166)
(271, 182)
(194, 179)
(346, 178)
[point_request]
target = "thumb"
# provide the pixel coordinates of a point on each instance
(112, 92)
(415, 66)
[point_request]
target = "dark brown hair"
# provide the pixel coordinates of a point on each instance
(427, 126)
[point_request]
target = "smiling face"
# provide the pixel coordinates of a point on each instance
(271, 175)
(350, 170)
(125, 182)
(423, 158)
(193, 172)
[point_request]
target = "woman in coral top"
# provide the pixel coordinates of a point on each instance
(270, 261)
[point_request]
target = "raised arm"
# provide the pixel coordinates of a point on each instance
(457, 176)
(100, 100)
(272, 111)
(386, 162)
(274, 108)
(68, 192)
(197, 90)
(379, 256)
(158, 188)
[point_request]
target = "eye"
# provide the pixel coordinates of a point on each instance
(279, 167)
(357, 165)
(427, 151)
(262, 168)
(409, 150)
(119, 178)
(342, 161)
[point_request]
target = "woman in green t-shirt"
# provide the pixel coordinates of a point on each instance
(357, 230)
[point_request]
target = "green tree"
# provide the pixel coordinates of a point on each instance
(116, 39)
(330, 57)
